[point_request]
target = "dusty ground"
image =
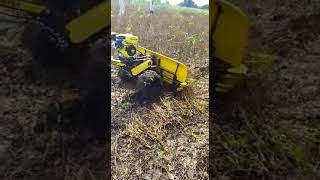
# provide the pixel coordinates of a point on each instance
(273, 129)
(273, 132)
(167, 138)
(41, 133)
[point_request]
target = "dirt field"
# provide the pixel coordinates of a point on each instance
(272, 129)
(167, 138)
(42, 133)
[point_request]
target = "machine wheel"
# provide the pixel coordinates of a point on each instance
(124, 75)
(149, 86)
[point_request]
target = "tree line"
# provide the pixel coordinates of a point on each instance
(190, 3)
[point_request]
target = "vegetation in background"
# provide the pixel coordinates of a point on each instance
(191, 4)
(168, 138)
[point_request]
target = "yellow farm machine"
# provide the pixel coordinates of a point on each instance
(150, 68)
(73, 26)
(228, 40)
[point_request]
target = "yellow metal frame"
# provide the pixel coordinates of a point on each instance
(229, 28)
(170, 69)
(130, 39)
(90, 23)
(141, 67)
(24, 6)
(117, 62)
(79, 29)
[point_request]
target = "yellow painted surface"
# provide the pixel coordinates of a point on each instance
(231, 32)
(90, 23)
(170, 66)
(24, 6)
(141, 67)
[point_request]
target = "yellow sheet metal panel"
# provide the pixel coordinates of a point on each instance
(141, 67)
(182, 73)
(212, 14)
(89, 23)
(172, 68)
(34, 8)
(230, 32)
(24, 6)
(169, 65)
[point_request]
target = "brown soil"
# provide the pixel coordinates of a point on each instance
(42, 129)
(271, 127)
(166, 138)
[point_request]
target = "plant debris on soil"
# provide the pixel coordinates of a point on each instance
(269, 126)
(42, 135)
(168, 137)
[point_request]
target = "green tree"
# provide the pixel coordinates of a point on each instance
(188, 3)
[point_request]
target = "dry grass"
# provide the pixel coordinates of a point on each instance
(167, 139)
(254, 142)
(182, 35)
(40, 132)
(271, 127)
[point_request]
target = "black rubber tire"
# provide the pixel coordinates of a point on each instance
(124, 76)
(149, 86)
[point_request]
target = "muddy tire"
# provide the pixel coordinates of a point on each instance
(124, 75)
(149, 86)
